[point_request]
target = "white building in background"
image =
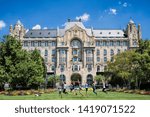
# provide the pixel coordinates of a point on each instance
(76, 52)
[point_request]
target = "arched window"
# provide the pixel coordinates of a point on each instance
(105, 59)
(63, 78)
(105, 52)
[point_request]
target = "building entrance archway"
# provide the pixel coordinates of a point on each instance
(89, 79)
(76, 78)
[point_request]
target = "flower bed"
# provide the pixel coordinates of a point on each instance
(26, 92)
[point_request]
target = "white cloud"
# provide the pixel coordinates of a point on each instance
(45, 28)
(119, 3)
(85, 17)
(113, 11)
(37, 27)
(125, 4)
(2, 24)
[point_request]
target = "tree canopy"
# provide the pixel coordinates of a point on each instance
(18, 67)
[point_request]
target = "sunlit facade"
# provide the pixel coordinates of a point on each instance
(76, 52)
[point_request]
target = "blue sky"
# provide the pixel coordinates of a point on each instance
(103, 14)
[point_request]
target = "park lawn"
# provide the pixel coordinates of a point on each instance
(71, 96)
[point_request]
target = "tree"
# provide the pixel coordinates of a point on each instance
(122, 66)
(18, 67)
(53, 79)
(100, 78)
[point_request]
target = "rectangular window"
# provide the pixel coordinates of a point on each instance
(89, 59)
(89, 51)
(46, 43)
(62, 52)
(125, 43)
(101, 43)
(111, 43)
(62, 43)
(98, 52)
(104, 43)
(32, 44)
(74, 52)
(75, 59)
(39, 43)
(98, 59)
(53, 68)
(25, 43)
(46, 52)
(62, 68)
(118, 43)
(108, 43)
(53, 59)
(53, 52)
(53, 43)
(97, 43)
(89, 67)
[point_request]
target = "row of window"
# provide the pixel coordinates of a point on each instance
(105, 59)
(76, 68)
(46, 59)
(53, 43)
(46, 52)
(111, 52)
(112, 43)
(75, 52)
(39, 43)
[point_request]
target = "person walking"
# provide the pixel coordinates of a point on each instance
(71, 87)
(86, 87)
(64, 88)
(80, 88)
(59, 87)
(104, 87)
(94, 88)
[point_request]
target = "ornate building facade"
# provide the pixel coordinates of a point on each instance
(75, 52)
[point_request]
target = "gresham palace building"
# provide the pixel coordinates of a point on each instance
(75, 52)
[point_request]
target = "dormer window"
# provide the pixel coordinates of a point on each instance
(40, 33)
(109, 32)
(31, 33)
(100, 32)
(49, 33)
(118, 33)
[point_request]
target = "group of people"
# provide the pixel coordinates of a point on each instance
(76, 87)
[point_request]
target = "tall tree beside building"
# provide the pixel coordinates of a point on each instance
(18, 65)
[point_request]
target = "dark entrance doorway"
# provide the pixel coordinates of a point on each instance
(76, 78)
(89, 79)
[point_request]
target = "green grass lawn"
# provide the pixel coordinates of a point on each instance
(71, 96)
